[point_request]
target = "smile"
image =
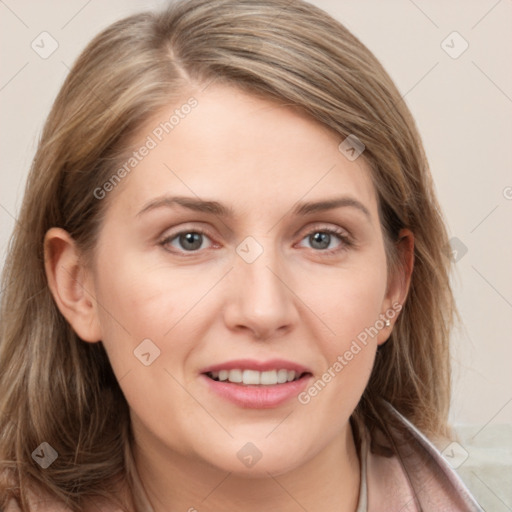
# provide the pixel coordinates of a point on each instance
(254, 377)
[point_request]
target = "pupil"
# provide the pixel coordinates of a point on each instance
(322, 239)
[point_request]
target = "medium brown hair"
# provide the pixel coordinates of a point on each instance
(55, 387)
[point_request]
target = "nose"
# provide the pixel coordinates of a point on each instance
(260, 297)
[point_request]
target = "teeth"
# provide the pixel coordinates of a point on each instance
(268, 378)
(254, 377)
(251, 377)
(235, 376)
(282, 376)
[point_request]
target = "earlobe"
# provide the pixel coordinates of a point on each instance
(399, 283)
(70, 285)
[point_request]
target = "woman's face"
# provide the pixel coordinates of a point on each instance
(247, 269)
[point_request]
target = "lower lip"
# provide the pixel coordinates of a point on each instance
(257, 397)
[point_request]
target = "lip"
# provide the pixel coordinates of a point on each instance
(257, 397)
(261, 366)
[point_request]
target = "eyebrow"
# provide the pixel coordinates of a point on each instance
(216, 208)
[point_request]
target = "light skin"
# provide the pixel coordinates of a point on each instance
(207, 305)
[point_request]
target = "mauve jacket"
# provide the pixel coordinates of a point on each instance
(413, 476)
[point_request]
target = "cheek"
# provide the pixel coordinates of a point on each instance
(138, 302)
(152, 310)
(349, 302)
(349, 310)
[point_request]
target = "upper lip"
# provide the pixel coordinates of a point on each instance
(261, 366)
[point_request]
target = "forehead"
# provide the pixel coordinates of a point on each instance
(255, 153)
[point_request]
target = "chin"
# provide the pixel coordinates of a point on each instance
(248, 460)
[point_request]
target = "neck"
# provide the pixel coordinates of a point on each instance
(328, 481)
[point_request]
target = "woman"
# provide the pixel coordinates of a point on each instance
(228, 288)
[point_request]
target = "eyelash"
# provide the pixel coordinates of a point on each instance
(346, 241)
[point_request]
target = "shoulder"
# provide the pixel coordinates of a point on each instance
(415, 471)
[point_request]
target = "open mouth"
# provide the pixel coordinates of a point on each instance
(270, 387)
(256, 378)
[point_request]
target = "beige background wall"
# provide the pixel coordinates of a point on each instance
(463, 107)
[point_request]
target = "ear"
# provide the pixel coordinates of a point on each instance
(399, 280)
(71, 284)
